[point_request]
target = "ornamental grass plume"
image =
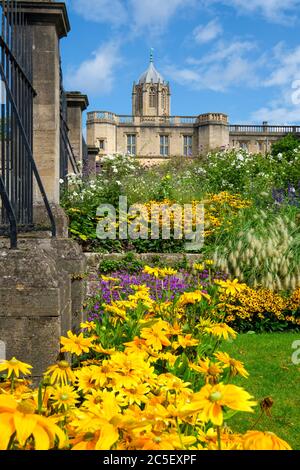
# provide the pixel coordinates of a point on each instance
(266, 254)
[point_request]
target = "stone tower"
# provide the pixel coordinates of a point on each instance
(151, 95)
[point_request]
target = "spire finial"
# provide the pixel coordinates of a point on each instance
(151, 55)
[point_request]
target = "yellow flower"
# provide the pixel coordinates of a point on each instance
(157, 335)
(221, 330)
(258, 440)
(198, 266)
(137, 345)
(15, 367)
(211, 370)
(192, 297)
(64, 397)
(21, 387)
(129, 369)
(117, 310)
(231, 287)
(159, 273)
(109, 279)
(236, 367)
(164, 441)
(19, 419)
(85, 380)
(169, 357)
(76, 344)
(229, 441)
(168, 272)
(209, 262)
(99, 349)
(88, 325)
(152, 271)
(94, 397)
(102, 374)
(171, 382)
(61, 373)
(103, 439)
(185, 342)
(212, 399)
(136, 394)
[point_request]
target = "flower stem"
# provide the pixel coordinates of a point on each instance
(12, 383)
(219, 437)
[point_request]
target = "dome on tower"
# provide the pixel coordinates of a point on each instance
(151, 75)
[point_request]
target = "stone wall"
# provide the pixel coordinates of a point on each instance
(209, 131)
(42, 289)
(169, 259)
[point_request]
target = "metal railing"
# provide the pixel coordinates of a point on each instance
(17, 165)
(67, 155)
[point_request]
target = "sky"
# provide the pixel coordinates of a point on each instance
(239, 57)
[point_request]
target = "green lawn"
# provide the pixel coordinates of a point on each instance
(272, 374)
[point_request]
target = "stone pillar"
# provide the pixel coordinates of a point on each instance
(48, 23)
(35, 305)
(213, 132)
(71, 259)
(77, 103)
(42, 290)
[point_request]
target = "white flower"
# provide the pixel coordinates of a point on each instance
(61, 181)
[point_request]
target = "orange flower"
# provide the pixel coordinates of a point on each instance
(258, 440)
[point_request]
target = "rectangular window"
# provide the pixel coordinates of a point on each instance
(164, 145)
(101, 144)
(131, 144)
(187, 145)
(244, 145)
(260, 146)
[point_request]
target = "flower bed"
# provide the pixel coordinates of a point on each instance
(248, 309)
(150, 375)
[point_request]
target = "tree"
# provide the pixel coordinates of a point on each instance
(286, 146)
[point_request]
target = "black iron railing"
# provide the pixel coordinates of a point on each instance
(68, 162)
(17, 165)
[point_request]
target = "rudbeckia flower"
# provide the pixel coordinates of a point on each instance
(20, 419)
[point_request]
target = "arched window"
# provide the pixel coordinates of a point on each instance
(152, 98)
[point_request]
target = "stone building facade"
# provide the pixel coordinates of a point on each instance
(153, 134)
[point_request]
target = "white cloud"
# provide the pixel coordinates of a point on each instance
(279, 11)
(149, 16)
(206, 33)
(97, 74)
(286, 65)
(225, 51)
(285, 79)
(281, 115)
(154, 15)
(101, 11)
(225, 66)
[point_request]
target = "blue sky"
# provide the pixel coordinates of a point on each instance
(240, 57)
